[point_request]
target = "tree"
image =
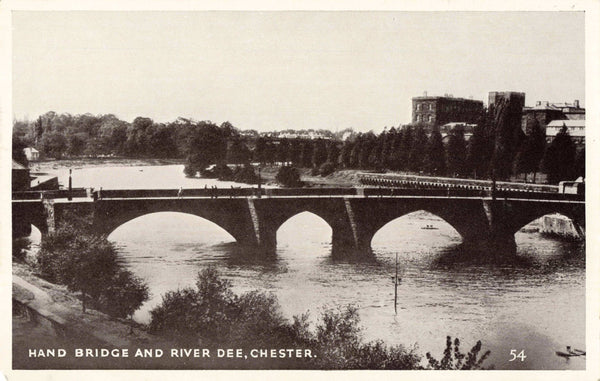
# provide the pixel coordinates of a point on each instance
(580, 163)
(507, 133)
(456, 153)
(207, 145)
(531, 151)
(18, 153)
(416, 158)
(559, 158)
(283, 151)
(326, 169)
(405, 147)
(319, 155)
(260, 150)
(395, 158)
(76, 144)
(479, 152)
(306, 151)
(237, 152)
(137, 136)
(89, 264)
(288, 176)
(435, 158)
(123, 295)
(54, 144)
(333, 153)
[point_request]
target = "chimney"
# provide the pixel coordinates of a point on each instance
(546, 103)
(424, 93)
(538, 103)
(576, 103)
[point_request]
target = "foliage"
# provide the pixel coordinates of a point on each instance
(559, 158)
(479, 152)
(211, 314)
(456, 154)
(454, 359)
(326, 169)
(532, 150)
(19, 248)
(580, 163)
(123, 295)
(18, 145)
(244, 174)
(88, 263)
(435, 159)
(288, 176)
(507, 135)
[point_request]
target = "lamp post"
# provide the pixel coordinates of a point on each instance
(259, 186)
(70, 197)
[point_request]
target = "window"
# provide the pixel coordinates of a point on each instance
(418, 107)
(430, 116)
(431, 107)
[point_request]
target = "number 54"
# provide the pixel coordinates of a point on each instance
(521, 355)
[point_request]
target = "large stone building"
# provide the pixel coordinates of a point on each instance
(575, 128)
(545, 112)
(436, 110)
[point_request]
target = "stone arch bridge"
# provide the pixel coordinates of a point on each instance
(354, 214)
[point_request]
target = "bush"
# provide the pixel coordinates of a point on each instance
(453, 359)
(222, 172)
(213, 315)
(124, 294)
(190, 171)
(326, 169)
(288, 176)
(245, 174)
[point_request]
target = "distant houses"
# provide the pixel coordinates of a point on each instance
(32, 154)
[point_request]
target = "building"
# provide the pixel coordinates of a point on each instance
(575, 128)
(20, 177)
(437, 110)
(545, 112)
(31, 153)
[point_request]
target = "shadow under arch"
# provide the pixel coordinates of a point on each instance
(419, 229)
(304, 229)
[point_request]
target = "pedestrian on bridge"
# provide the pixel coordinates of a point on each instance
(180, 192)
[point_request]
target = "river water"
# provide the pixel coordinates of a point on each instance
(536, 306)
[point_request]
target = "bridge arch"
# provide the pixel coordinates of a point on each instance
(109, 216)
(419, 226)
(178, 224)
(303, 224)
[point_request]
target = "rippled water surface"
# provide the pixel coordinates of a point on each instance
(537, 305)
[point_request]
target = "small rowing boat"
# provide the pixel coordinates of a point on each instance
(570, 352)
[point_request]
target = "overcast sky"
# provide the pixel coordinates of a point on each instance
(278, 70)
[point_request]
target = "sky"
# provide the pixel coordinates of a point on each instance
(279, 70)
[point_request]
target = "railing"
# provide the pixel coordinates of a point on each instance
(449, 191)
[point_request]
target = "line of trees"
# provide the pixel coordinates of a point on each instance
(496, 146)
